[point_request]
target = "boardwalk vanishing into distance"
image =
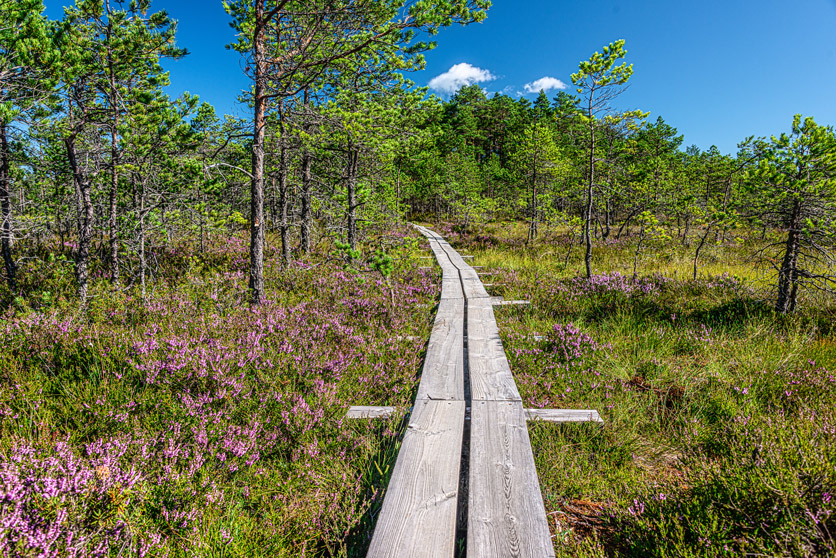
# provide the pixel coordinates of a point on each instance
(466, 456)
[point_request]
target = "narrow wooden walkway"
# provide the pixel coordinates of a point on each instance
(467, 400)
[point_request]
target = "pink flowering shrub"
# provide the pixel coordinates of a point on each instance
(194, 424)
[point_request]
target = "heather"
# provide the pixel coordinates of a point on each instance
(196, 425)
(720, 431)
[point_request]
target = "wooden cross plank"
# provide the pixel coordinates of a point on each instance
(369, 412)
(545, 415)
(563, 415)
(511, 302)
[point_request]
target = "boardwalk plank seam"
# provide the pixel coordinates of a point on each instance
(505, 511)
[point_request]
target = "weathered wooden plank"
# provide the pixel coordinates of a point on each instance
(511, 302)
(454, 256)
(506, 516)
(418, 517)
(448, 270)
(563, 415)
(472, 284)
(443, 374)
(450, 284)
(545, 415)
(490, 373)
(371, 412)
(451, 288)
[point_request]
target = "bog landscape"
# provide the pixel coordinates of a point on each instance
(366, 320)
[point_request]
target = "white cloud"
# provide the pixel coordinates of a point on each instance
(458, 76)
(545, 83)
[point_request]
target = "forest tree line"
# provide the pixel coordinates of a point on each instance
(101, 164)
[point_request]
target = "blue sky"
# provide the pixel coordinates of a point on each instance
(716, 70)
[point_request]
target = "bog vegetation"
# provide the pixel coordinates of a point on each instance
(191, 301)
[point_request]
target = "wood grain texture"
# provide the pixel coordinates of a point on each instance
(490, 373)
(563, 415)
(418, 517)
(451, 288)
(369, 412)
(443, 373)
(506, 516)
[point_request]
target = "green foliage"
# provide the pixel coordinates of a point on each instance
(346, 251)
(795, 184)
(383, 263)
(600, 70)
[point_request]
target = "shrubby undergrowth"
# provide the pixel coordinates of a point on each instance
(194, 425)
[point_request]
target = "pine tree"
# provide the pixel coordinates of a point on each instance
(25, 48)
(601, 81)
(289, 45)
(795, 180)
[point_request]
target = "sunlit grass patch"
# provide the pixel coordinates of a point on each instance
(719, 413)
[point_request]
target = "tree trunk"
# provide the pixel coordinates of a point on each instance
(625, 225)
(256, 283)
(607, 221)
(569, 252)
(284, 226)
(532, 225)
(114, 153)
(85, 218)
(699, 248)
(351, 187)
(589, 196)
(203, 225)
(788, 275)
(59, 224)
(638, 252)
(112, 224)
(143, 263)
(6, 209)
(307, 184)
(726, 196)
(398, 192)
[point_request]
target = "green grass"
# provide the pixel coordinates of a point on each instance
(192, 424)
(719, 436)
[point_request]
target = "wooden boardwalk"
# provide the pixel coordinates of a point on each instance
(467, 404)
